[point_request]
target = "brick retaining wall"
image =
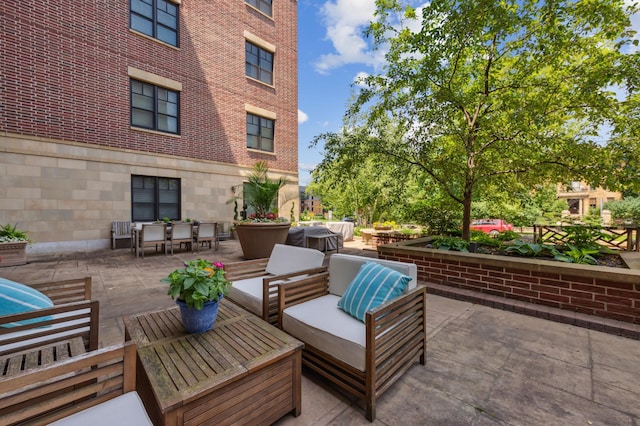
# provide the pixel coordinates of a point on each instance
(605, 292)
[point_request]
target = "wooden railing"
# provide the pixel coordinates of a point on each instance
(620, 238)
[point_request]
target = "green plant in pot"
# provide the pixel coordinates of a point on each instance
(13, 246)
(259, 231)
(11, 234)
(198, 289)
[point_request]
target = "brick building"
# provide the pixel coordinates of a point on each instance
(140, 109)
(581, 198)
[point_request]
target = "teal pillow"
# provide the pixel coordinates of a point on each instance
(16, 298)
(373, 285)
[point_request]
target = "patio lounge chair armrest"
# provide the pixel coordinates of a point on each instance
(301, 290)
(236, 271)
(302, 273)
(270, 286)
(66, 291)
(395, 334)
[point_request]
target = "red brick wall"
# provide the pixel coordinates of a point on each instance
(601, 291)
(63, 75)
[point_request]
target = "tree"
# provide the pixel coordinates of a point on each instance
(487, 93)
(349, 182)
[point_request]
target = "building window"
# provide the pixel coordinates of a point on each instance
(259, 63)
(263, 6)
(260, 133)
(154, 198)
(155, 18)
(154, 107)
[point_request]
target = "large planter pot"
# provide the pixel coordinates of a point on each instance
(13, 254)
(257, 239)
(198, 321)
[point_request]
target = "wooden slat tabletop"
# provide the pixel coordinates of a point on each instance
(182, 367)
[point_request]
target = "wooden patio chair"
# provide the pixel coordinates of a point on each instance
(120, 230)
(153, 235)
(181, 233)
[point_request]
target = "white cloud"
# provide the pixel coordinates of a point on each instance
(302, 116)
(306, 166)
(345, 21)
(358, 80)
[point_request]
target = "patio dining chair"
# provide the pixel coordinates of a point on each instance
(153, 235)
(206, 233)
(120, 230)
(181, 233)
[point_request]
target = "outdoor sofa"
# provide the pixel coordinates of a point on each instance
(363, 357)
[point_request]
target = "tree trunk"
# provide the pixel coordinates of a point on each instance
(466, 212)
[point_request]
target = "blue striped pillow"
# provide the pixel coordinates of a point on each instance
(16, 298)
(373, 285)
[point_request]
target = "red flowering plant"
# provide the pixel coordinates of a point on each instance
(268, 217)
(198, 282)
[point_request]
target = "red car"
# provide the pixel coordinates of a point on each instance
(490, 226)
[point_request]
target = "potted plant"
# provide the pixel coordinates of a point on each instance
(260, 231)
(198, 289)
(13, 246)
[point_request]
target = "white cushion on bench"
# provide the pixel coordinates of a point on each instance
(126, 409)
(248, 293)
(320, 323)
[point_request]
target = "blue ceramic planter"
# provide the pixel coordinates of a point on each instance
(198, 321)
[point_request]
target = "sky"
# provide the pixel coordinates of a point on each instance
(332, 53)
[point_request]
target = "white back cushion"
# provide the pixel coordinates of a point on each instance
(343, 268)
(285, 259)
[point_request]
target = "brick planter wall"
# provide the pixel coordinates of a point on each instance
(611, 293)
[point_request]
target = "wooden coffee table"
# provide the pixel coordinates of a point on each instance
(242, 371)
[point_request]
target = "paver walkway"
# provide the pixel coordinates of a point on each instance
(484, 366)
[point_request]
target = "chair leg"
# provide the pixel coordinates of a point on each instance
(370, 408)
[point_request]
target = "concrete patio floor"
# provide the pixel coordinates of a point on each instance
(484, 366)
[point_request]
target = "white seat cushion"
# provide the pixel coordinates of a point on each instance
(248, 293)
(126, 409)
(320, 323)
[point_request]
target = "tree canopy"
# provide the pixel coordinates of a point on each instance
(484, 94)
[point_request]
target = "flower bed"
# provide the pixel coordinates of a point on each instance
(611, 293)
